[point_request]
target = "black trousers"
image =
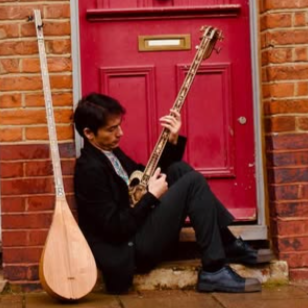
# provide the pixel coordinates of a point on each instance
(188, 195)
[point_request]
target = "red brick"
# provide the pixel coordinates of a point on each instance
(300, 19)
(68, 166)
(280, 124)
(18, 48)
(14, 272)
(20, 272)
(303, 123)
(12, 204)
(26, 221)
(22, 116)
(278, 20)
(282, 89)
(54, 46)
(58, 99)
(288, 37)
(299, 274)
(283, 192)
(291, 244)
(288, 142)
(30, 65)
(298, 71)
(279, 55)
(10, 100)
(11, 170)
(68, 184)
(64, 132)
(20, 83)
(295, 259)
(63, 115)
(57, 11)
(300, 54)
(61, 82)
(296, 227)
(302, 88)
(289, 209)
(24, 152)
(37, 237)
(40, 168)
(11, 134)
(51, 28)
(303, 191)
(40, 203)
(27, 186)
(9, 66)
(15, 12)
(286, 4)
(289, 175)
(14, 238)
(67, 150)
(9, 31)
(286, 106)
(287, 158)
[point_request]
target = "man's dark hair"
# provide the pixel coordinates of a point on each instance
(93, 111)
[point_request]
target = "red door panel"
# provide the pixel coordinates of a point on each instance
(219, 145)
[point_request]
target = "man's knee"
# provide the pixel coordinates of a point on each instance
(177, 170)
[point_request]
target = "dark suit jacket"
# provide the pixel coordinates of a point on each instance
(105, 216)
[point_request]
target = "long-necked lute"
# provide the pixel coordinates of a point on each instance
(138, 181)
(67, 267)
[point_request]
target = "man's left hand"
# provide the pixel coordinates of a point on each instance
(173, 123)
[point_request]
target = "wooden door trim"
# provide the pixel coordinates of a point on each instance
(208, 11)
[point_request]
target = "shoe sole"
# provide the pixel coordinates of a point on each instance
(204, 287)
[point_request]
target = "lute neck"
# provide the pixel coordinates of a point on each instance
(54, 149)
(205, 45)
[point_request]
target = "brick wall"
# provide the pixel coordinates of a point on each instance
(27, 190)
(284, 40)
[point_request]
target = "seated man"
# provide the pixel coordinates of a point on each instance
(125, 238)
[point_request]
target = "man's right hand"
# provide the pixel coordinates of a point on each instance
(158, 184)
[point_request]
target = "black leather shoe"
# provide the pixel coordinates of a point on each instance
(241, 252)
(226, 280)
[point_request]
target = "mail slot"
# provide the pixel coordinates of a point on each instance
(164, 42)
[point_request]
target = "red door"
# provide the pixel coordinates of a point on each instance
(139, 52)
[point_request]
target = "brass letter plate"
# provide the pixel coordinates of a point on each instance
(164, 42)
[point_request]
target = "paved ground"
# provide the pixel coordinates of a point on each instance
(274, 297)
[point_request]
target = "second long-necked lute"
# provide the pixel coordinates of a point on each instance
(67, 267)
(138, 181)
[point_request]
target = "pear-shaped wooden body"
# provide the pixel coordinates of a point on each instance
(67, 267)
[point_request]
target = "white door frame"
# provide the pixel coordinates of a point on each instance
(256, 231)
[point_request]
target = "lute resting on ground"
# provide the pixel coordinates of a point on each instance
(67, 266)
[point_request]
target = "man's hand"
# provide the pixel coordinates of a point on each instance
(158, 184)
(173, 123)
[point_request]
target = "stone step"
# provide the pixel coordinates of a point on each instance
(183, 275)
(179, 275)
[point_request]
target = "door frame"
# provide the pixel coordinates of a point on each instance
(259, 230)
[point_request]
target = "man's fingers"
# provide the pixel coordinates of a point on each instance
(157, 172)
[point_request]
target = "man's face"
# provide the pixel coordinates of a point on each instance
(107, 137)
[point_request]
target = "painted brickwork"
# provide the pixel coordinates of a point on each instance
(284, 40)
(27, 193)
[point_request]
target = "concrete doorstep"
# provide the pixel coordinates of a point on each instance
(182, 275)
